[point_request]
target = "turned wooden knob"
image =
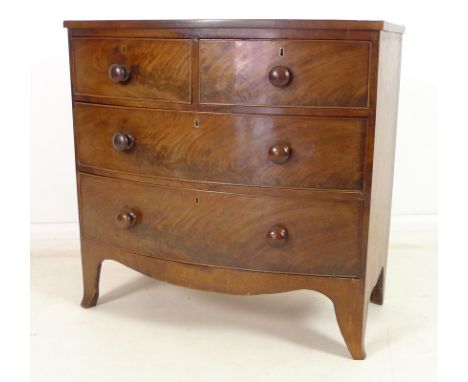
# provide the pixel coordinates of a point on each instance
(126, 219)
(279, 153)
(123, 141)
(119, 73)
(280, 76)
(277, 236)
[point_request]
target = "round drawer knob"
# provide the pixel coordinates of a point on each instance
(123, 141)
(280, 76)
(126, 219)
(119, 73)
(279, 153)
(277, 236)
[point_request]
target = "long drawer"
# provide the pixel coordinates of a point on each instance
(297, 152)
(264, 233)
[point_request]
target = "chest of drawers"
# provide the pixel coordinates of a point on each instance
(241, 157)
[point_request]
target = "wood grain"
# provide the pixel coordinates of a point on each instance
(325, 153)
(238, 109)
(305, 193)
(325, 73)
(284, 184)
(244, 24)
(345, 293)
(159, 69)
(230, 33)
(383, 161)
(221, 229)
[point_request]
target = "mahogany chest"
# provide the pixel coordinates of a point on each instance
(238, 156)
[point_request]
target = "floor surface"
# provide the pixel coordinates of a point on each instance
(146, 330)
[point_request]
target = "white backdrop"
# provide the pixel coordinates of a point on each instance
(53, 189)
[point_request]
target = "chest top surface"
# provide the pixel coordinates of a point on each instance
(240, 23)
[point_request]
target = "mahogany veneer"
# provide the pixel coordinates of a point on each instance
(315, 73)
(238, 156)
(156, 69)
(230, 148)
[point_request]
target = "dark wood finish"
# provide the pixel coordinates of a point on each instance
(377, 294)
(119, 73)
(326, 73)
(267, 167)
(279, 153)
(123, 141)
(280, 76)
(345, 293)
(382, 164)
(239, 109)
(231, 33)
(224, 229)
(277, 236)
(322, 195)
(226, 148)
(126, 219)
(347, 25)
(139, 68)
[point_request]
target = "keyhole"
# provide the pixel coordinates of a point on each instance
(197, 123)
(197, 200)
(123, 49)
(281, 52)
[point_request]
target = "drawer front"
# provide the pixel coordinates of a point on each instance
(285, 72)
(296, 152)
(228, 230)
(156, 69)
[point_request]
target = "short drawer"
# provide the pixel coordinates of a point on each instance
(318, 73)
(297, 152)
(261, 233)
(139, 68)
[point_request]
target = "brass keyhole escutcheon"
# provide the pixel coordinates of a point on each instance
(123, 49)
(197, 200)
(196, 123)
(281, 52)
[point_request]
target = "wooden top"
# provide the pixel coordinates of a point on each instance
(255, 24)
